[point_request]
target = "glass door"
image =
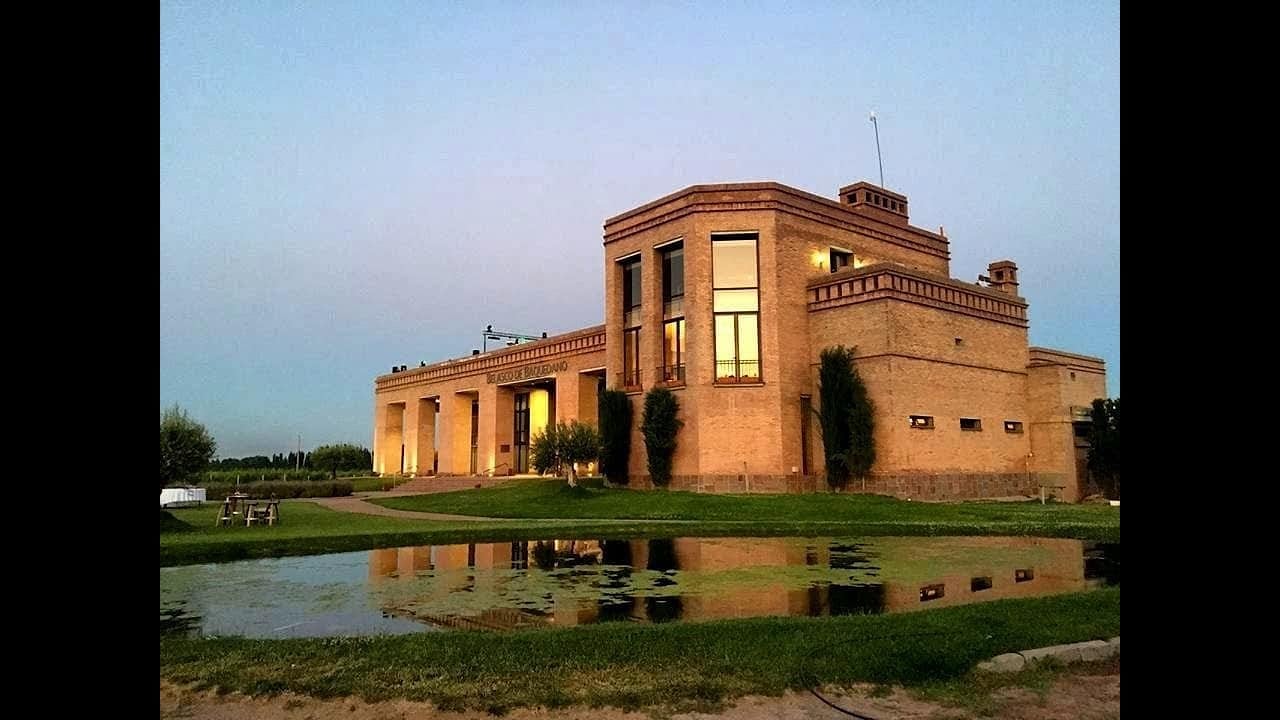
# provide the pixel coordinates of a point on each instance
(522, 433)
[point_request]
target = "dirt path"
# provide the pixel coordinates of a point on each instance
(1089, 693)
(358, 504)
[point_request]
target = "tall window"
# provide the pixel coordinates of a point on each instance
(673, 314)
(631, 323)
(736, 306)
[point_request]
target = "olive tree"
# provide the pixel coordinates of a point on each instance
(561, 447)
(185, 446)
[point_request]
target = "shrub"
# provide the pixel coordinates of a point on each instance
(1104, 446)
(185, 446)
(659, 427)
(845, 418)
(615, 435)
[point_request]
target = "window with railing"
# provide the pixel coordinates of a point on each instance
(672, 371)
(631, 286)
(735, 299)
(631, 358)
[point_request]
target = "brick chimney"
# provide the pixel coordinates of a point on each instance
(1004, 276)
(876, 202)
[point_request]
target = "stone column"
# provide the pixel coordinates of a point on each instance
(588, 399)
(392, 438)
(455, 433)
(420, 427)
(379, 423)
(497, 430)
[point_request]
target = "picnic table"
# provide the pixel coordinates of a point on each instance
(241, 505)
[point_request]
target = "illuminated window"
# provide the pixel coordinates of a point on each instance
(673, 281)
(673, 314)
(840, 259)
(673, 351)
(736, 307)
(1024, 575)
(1012, 426)
(979, 583)
(631, 293)
(631, 358)
(922, 422)
(631, 286)
(932, 592)
(970, 424)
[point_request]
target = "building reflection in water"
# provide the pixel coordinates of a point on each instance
(571, 582)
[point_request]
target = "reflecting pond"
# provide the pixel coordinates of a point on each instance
(509, 585)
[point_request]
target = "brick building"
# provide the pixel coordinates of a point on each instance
(726, 294)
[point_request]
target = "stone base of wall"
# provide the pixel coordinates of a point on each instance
(921, 486)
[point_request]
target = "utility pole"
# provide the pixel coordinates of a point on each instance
(299, 460)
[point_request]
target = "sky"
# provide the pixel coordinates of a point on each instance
(350, 186)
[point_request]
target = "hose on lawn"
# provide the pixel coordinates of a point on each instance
(812, 681)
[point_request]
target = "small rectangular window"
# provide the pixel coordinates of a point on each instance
(932, 592)
(970, 424)
(979, 583)
(840, 259)
(1024, 575)
(922, 421)
(1012, 426)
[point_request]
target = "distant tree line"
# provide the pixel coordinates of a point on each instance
(326, 457)
(278, 461)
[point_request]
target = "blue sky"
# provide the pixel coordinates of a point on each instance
(348, 186)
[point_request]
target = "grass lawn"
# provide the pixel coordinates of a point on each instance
(555, 499)
(548, 508)
(189, 535)
(373, 484)
(679, 665)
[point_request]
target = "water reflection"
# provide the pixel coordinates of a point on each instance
(533, 583)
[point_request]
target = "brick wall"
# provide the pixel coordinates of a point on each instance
(922, 486)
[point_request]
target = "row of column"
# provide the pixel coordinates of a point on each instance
(405, 432)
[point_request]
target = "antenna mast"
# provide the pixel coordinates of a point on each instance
(878, 158)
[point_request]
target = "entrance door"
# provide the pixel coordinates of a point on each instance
(522, 433)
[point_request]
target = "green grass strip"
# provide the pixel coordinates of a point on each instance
(628, 665)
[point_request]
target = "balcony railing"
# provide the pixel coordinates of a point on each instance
(629, 380)
(737, 371)
(671, 374)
